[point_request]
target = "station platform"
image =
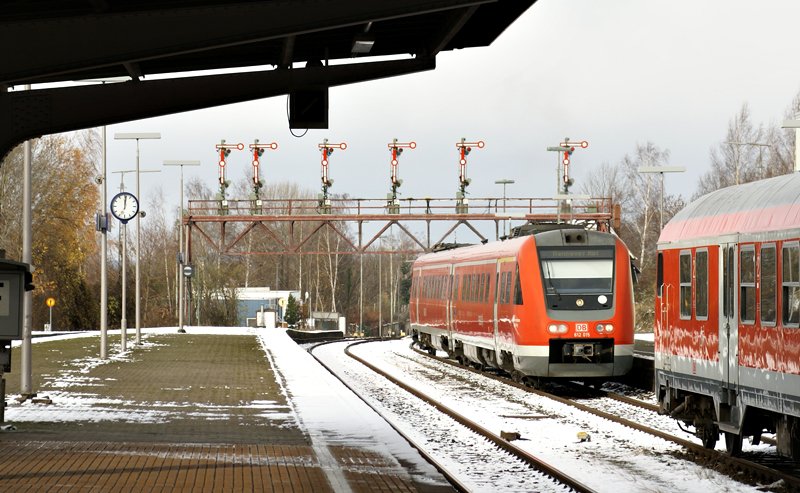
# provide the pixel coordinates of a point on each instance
(215, 409)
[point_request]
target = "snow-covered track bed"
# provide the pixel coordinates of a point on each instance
(596, 446)
(472, 458)
(757, 464)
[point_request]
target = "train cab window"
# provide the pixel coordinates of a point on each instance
(701, 285)
(769, 278)
(685, 280)
(747, 285)
(790, 292)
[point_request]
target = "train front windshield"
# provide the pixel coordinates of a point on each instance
(577, 272)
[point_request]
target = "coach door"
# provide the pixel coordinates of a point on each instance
(494, 305)
(728, 320)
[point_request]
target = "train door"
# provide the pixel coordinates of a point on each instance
(494, 306)
(663, 331)
(728, 319)
(449, 297)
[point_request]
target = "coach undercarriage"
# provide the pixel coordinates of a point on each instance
(725, 414)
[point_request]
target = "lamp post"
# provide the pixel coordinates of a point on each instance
(181, 253)
(661, 170)
(760, 146)
(124, 232)
(795, 124)
(504, 182)
(137, 137)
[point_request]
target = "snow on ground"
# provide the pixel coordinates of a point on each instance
(328, 411)
(69, 406)
(617, 459)
(332, 414)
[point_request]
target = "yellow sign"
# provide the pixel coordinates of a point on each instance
(51, 302)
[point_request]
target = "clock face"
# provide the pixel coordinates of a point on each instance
(124, 206)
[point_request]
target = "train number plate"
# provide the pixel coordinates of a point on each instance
(582, 330)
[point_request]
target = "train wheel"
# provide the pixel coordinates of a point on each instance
(517, 376)
(708, 435)
(432, 351)
(733, 443)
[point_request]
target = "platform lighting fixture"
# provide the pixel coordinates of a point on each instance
(795, 124)
(137, 136)
(362, 44)
(504, 182)
(181, 252)
(661, 170)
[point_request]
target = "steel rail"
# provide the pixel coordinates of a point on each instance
(450, 477)
(791, 483)
(500, 442)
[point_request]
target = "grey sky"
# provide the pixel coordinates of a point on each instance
(614, 73)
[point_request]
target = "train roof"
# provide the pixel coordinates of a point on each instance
(760, 206)
(510, 247)
(494, 249)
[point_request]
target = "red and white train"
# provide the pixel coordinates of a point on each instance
(553, 304)
(727, 332)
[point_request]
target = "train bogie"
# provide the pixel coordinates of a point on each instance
(557, 304)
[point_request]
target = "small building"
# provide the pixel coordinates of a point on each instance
(327, 321)
(255, 305)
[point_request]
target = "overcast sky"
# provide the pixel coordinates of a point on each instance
(615, 73)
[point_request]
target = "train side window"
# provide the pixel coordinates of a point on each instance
(747, 285)
(517, 288)
(659, 273)
(790, 292)
(464, 288)
(685, 279)
(769, 277)
(507, 293)
(701, 286)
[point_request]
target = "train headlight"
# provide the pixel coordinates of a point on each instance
(562, 329)
(552, 328)
(600, 328)
(609, 328)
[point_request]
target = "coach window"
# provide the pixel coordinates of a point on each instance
(701, 286)
(517, 288)
(790, 292)
(686, 284)
(769, 278)
(747, 284)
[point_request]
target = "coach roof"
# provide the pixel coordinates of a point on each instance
(761, 206)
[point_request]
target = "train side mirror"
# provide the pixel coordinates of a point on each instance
(635, 272)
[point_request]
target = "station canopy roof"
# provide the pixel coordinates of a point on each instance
(60, 40)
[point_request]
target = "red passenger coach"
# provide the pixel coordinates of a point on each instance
(727, 339)
(555, 304)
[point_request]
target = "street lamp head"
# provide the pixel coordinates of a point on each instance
(136, 135)
(504, 182)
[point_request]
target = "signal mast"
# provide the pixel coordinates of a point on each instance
(258, 151)
(224, 151)
(396, 148)
(464, 148)
(327, 150)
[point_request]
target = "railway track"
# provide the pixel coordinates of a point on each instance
(757, 471)
(548, 478)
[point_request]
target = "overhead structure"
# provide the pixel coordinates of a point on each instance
(291, 43)
(280, 219)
